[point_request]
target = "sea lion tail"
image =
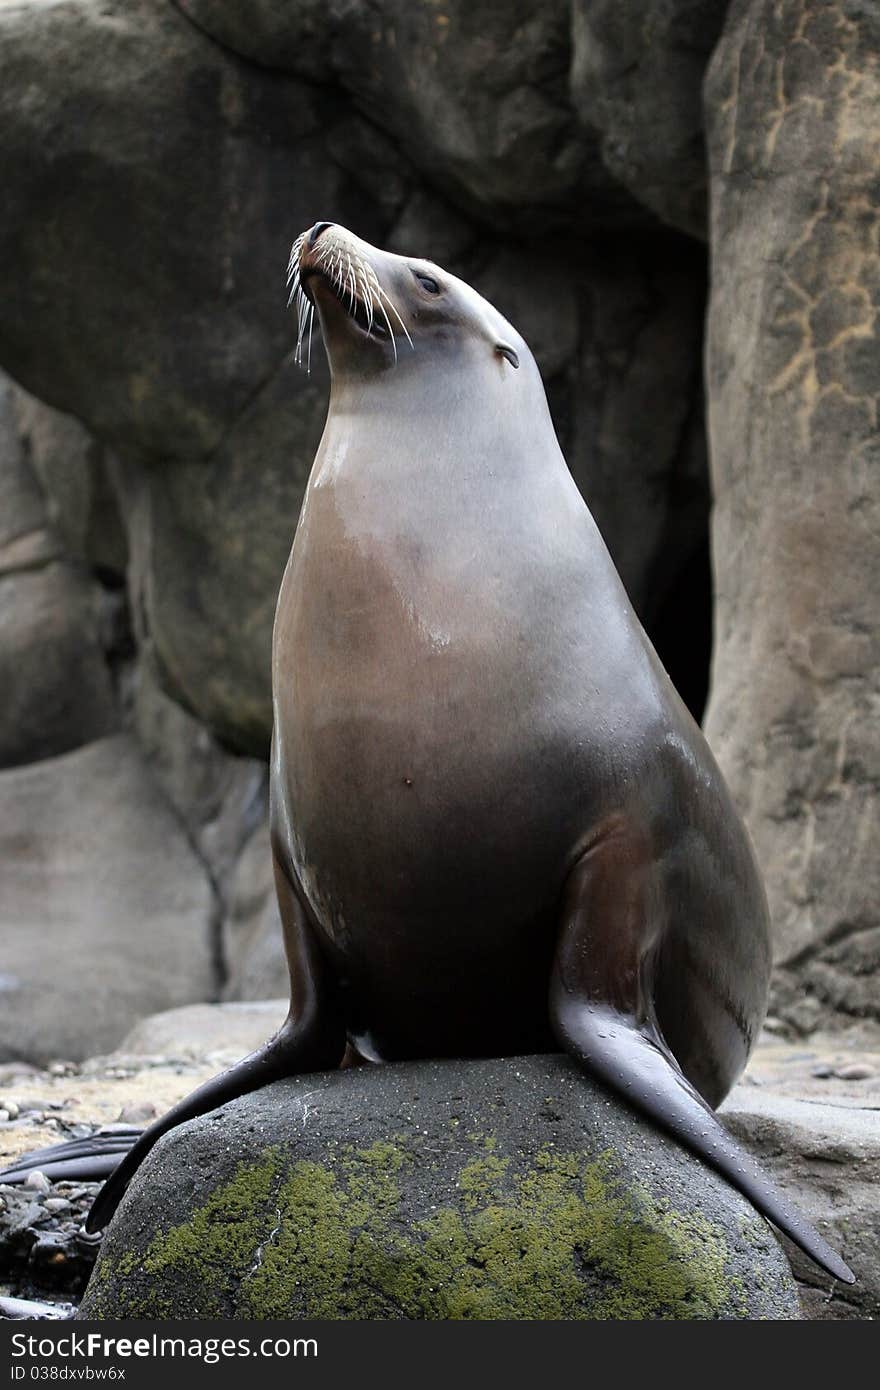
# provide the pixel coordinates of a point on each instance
(634, 1061)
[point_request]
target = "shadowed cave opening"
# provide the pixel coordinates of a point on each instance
(681, 629)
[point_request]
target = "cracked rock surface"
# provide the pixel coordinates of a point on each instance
(793, 376)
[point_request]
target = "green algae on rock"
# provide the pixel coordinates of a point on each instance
(430, 1190)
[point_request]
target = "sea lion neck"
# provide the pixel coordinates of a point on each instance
(425, 428)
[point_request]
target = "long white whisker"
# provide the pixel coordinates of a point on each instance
(293, 267)
(390, 329)
(368, 297)
(303, 308)
(391, 306)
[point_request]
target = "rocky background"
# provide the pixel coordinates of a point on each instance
(643, 189)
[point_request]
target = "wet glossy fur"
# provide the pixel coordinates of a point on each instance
(496, 827)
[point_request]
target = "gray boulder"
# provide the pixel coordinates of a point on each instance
(218, 797)
(57, 690)
(637, 81)
(826, 1157)
(253, 945)
(434, 1190)
(175, 304)
(71, 468)
(476, 95)
(106, 914)
(793, 367)
(202, 1031)
(212, 541)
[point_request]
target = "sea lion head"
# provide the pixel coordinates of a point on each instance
(380, 312)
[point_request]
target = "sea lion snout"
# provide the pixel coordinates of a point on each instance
(377, 308)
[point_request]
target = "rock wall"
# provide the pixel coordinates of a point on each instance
(156, 438)
(793, 373)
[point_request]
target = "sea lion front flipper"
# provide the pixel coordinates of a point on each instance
(312, 1038)
(601, 1010)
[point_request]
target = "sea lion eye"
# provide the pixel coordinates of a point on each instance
(426, 282)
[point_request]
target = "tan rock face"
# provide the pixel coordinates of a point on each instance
(793, 366)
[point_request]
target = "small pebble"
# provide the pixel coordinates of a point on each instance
(37, 1181)
(773, 1025)
(856, 1071)
(56, 1204)
(822, 1070)
(4, 1116)
(17, 1071)
(87, 1240)
(11, 1109)
(137, 1114)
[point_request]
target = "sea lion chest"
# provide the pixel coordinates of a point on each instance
(447, 682)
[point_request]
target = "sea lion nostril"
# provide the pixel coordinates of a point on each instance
(316, 231)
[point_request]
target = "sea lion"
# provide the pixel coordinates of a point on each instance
(495, 826)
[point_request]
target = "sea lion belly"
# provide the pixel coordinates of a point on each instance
(428, 759)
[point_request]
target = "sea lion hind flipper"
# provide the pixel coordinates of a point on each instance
(276, 1059)
(602, 1014)
(312, 1038)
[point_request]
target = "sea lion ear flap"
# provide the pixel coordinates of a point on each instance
(507, 351)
